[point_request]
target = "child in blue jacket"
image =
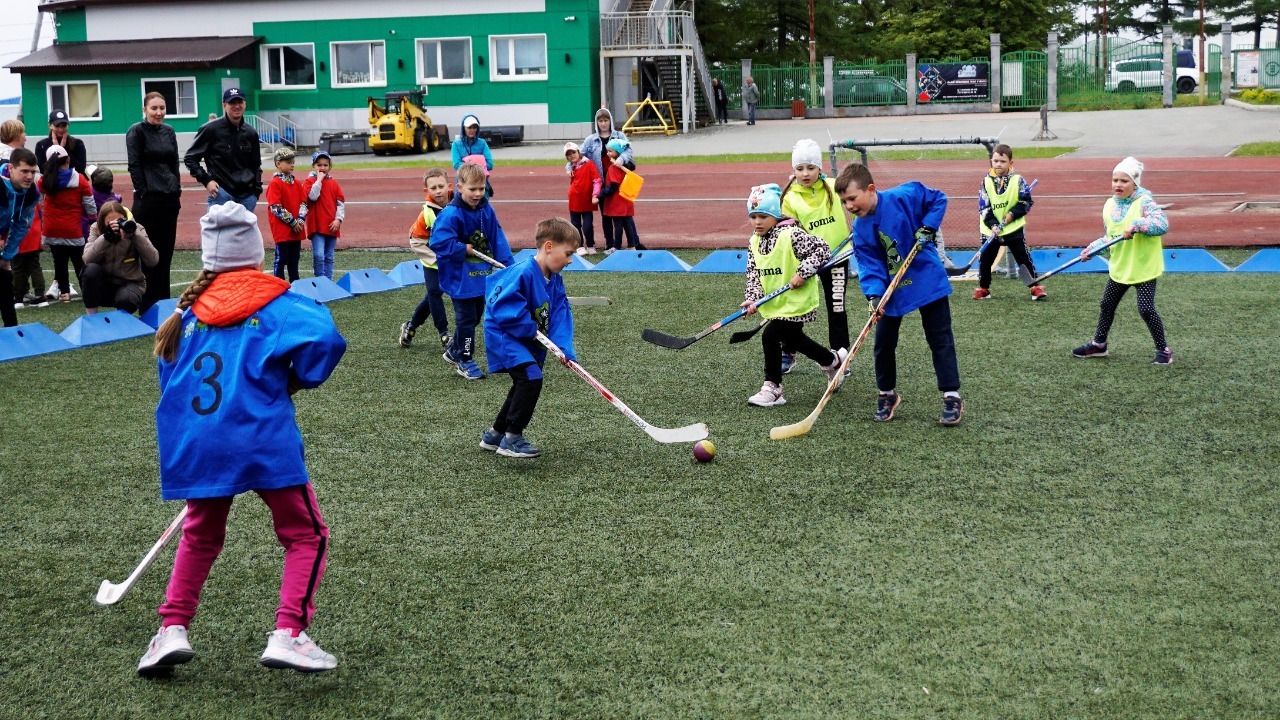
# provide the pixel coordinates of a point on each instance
(521, 301)
(467, 223)
(887, 223)
(232, 354)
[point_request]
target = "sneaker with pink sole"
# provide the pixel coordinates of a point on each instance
(288, 652)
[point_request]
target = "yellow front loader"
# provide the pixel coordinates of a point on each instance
(400, 124)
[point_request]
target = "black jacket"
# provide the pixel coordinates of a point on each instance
(75, 148)
(153, 160)
(230, 153)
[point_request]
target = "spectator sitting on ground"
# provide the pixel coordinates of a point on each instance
(117, 249)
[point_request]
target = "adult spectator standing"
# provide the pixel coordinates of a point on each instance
(13, 135)
(722, 101)
(228, 147)
(59, 126)
(593, 149)
(157, 189)
(18, 199)
(751, 96)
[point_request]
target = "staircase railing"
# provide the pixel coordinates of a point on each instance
(288, 131)
(268, 133)
(662, 28)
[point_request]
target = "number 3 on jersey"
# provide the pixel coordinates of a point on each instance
(211, 379)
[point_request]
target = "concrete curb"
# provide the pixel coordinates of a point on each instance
(1255, 108)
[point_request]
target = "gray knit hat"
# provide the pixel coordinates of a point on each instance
(230, 239)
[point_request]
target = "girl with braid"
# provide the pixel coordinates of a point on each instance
(236, 349)
(1136, 262)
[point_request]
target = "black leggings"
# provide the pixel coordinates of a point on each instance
(1146, 308)
(522, 398)
(62, 254)
(781, 332)
(1016, 244)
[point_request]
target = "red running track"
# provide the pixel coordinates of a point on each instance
(702, 205)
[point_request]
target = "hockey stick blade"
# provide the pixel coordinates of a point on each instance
(667, 341)
(110, 593)
(745, 335)
(686, 434)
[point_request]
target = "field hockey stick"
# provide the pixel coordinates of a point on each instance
(783, 432)
(1025, 275)
(995, 233)
(679, 343)
(688, 433)
(109, 593)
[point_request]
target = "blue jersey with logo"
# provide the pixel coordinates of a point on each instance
(882, 240)
(519, 302)
(225, 422)
(458, 225)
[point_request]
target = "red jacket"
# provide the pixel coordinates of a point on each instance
(614, 204)
(584, 185)
(31, 243)
(63, 211)
(323, 210)
(288, 195)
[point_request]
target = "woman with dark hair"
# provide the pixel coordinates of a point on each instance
(66, 198)
(153, 166)
(117, 252)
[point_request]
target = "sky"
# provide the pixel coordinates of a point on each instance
(17, 23)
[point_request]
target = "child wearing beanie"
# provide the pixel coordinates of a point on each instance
(1131, 213)
(810, 197)
(782, 254)
(236, 349)
(618, 211)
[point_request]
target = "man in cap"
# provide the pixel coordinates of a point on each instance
(59, 124)
(228, 148)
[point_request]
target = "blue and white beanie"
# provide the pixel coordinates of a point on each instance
(766, 199)
(617, 145)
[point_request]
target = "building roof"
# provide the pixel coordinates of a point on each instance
(233, 52)
(52, 5)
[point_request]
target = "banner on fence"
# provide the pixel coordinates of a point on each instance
(1247, 66)
(953, 81)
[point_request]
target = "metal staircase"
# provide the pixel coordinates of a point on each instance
(653, 31)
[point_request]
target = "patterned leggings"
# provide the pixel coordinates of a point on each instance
(1146, 308)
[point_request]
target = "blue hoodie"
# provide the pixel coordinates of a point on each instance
(464, 146)
(520, 302)
(17, 208)
(882, 240)
(462, 276)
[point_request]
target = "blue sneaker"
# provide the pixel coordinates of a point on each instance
(490, 439)
(449, 357)
(517, 448)
(470, 370)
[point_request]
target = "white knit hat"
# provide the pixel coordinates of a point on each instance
(1132, 167)
(806, 152)
(230, 239)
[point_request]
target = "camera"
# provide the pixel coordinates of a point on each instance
(127, 227)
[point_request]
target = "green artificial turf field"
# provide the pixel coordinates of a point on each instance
(1097, 539)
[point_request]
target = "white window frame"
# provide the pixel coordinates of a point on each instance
(266, 67)
(48, 91)
(493, 58)
(195, 94)
(333, 63)
(423, 80)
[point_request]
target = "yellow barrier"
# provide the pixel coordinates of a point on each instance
(666, 124)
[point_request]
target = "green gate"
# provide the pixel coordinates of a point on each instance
(1024, 80)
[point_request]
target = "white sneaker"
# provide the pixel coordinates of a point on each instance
(581, 251)
(168, 648)
(770, 395)
(591, 251)
(285, 652)
(833, 369)
(609, 251)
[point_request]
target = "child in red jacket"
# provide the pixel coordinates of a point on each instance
(621, 210)
(66, 197)
(325, 213)
(584, 196)
(286, 199)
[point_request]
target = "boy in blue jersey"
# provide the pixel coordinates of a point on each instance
(887, 223)
(467, 225)
(521, 301)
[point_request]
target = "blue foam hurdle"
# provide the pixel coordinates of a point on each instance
(408, 273)
(367, 280)
(158, 313)
(1191, 260)
(723, 261)
(28, 340)
(577, 264)
(104, 328)
(962, 257)
(320, 289)
(1265, 260)
(642, 261)
(1046, 260)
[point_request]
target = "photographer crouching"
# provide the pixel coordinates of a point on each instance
(112, 271)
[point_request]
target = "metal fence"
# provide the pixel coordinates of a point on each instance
(869, 83)
(779, 86)
(1024, 80)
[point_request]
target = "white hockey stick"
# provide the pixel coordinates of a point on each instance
(109, 593)
(688, 433)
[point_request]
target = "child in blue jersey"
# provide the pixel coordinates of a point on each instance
(522, 301)
(887, 223)
(467, 224)
(236, 348)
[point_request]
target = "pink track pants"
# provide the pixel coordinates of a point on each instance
(300, 529)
